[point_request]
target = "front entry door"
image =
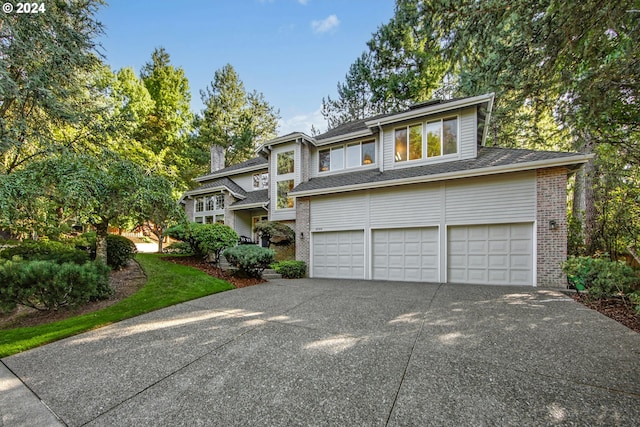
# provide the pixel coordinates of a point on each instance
(254, 221)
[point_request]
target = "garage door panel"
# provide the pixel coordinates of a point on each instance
(339, 254)
(409, 254)
(491, 254)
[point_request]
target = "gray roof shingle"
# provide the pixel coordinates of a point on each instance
(222, 182)
(253, 197)
(487, 157)
(256, 161)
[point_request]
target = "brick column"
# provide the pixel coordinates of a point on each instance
(302, 229)
(229, 215)
(551, 188)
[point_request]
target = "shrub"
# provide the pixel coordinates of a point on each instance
(47, 285)
(178, 248)
(251, 260)
(119, 251)
(276, 233)
(291, 269)
(204, 239)
(45, 250)
(214, 238)
(600, 276)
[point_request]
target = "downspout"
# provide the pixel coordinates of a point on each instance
(381, 148)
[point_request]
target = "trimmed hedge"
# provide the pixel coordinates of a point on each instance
(251, 260)
(205, 239)
(291, 269)
(45, 250)
(119, 251)
(47, 285)
(600, 276)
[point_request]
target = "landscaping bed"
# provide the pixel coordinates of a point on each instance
(212, 270)
(614, 308)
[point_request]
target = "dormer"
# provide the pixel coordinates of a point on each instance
(433, 132)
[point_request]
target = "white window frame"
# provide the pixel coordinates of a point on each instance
(261, 179)
(345, 150)
(424, 135)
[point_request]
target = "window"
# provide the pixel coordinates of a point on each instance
(347, 156)
(368, 152)
(283, 200)
(337, 158)
(219, 202)
(285, 163)
(260, 180)
(199, 205)
(211, 203)
(198, 219)
(441, 139)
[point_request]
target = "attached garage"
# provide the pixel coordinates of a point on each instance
(338, 254)
(500, 254)
(406, 254)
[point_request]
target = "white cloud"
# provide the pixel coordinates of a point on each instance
(324, 25)
(302, 123)
(303, 2)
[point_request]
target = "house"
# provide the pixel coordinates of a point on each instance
(408, 196)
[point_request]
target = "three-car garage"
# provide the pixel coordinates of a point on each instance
(479, 231)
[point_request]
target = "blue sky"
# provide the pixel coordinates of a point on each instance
(293, 51)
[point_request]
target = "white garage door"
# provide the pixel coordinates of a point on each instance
(491, 254)
(338, 254)
(408, 254)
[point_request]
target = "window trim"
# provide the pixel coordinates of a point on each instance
(293, 158)
(263, 180)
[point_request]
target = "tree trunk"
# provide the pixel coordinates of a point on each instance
(590, 214)
(102, 230)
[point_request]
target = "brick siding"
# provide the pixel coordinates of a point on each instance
(303, 234)
(551, 188)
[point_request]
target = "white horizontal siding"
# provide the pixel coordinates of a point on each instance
(467, 127)
(414, 205)
(502, 198)
(339, 211)
(244, 180)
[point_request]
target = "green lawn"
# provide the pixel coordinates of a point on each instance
(167, 284)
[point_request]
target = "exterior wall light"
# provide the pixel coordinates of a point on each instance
(553, 224)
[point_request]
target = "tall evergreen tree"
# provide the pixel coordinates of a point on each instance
(46, 63)
(234, 119)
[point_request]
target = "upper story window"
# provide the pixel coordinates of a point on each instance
(260, 180)
(440, 136)
(210, 203)
(347, 156)
(285, 163)
(285, 181)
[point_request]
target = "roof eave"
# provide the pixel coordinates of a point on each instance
(492, 170)
(344, 137)
(222, 174)
(199, 191)
(431, 109)
(249, 206)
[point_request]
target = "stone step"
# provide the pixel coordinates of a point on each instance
(270, 274)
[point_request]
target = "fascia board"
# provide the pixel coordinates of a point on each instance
(197, 192)
(249, 206)
(344, 137)
(430, 110)
(519, 167)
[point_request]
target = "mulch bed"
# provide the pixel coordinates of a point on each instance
(616, 308)
(210, 269)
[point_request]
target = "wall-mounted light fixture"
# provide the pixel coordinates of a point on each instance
(302, 235)
(553, 224)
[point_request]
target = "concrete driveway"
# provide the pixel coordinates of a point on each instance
(328, 352)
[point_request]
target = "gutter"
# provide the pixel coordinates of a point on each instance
(469, 173)
(210, 189)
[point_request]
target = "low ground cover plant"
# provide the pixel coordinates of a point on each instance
(48, 285)
(291, 269)
(251, 260)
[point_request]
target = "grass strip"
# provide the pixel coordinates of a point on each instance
(167, 284)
